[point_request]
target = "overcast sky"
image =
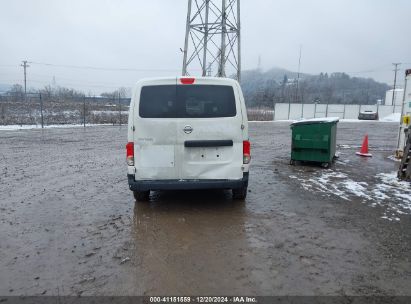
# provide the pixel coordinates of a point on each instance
(360, 37)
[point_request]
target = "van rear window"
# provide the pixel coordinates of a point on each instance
(180, 101)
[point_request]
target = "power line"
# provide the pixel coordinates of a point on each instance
(74, 84)
(65, 79)
(101, 68)
(376, 69)
(71, 81)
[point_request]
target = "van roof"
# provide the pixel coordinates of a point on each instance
(197, 80)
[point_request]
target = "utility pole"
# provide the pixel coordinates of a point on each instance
(41, 111)
(119, 106)
(84, 111)
(212, 38)
(395, 84)
(25, 66)
(298, 75)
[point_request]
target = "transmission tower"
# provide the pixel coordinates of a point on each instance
(212, 40)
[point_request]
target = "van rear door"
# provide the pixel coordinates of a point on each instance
(209, 132)
(156, 131)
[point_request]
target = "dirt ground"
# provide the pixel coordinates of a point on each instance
(69, 225)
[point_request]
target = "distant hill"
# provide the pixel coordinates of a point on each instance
(4, 87)
(278, 85)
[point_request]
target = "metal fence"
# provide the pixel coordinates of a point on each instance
(287, 111)
(38, 109)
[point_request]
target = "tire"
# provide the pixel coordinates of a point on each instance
(326, 165)
(141, 196)
(240, 193)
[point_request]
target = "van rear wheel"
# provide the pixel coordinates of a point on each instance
(141, 196)
(240, 193)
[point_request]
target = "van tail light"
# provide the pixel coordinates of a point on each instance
(130, 153)
(246, 152)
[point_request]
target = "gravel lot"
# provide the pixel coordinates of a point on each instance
(69, 225)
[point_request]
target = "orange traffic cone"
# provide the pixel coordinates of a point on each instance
(364, 148)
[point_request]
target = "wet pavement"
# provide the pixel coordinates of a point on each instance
(69, 225)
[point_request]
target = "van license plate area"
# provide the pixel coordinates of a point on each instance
(213, 154)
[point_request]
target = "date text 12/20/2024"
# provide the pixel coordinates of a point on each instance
(208, 299)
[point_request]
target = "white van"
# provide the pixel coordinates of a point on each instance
(187, 133)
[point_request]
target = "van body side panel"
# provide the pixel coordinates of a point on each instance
(130, 132)
(244, 122)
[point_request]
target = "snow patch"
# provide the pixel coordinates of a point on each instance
(387, 191)
(30, 127)
(108, 112)
(393, 158)
(394, 117)
(319, 119)
(356, 188)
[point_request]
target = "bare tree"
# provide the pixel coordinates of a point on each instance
(16, 92)
(48, 91)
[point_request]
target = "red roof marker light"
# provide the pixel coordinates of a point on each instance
(187, 80)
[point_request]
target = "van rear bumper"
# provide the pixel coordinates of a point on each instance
(191, 184)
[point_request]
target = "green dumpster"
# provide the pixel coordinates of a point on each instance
(314, 140)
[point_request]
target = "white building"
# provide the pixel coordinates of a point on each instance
(398, 97)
